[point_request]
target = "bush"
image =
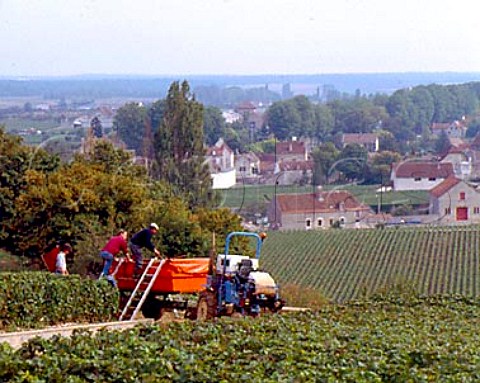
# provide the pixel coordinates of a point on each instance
(37, 299)
(301, 296)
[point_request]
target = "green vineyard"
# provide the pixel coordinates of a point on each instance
(352, 264)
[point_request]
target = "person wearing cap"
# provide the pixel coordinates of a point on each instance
(61, 261)
(140, 240)
(115, 245)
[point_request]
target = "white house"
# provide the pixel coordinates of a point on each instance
(419, 175)
(461, 160)
(221, 160)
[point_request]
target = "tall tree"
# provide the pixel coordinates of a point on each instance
(352, 161)
(96, 126)
(213, 125)
(129, 123)
(284, 119)
(179, 147)
(324, 156)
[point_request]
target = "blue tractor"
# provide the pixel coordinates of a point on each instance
(236, 286)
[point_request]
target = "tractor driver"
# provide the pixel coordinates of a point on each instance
(143, 239)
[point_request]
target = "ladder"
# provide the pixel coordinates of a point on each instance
(140, 293)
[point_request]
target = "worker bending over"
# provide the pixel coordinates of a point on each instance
(140, 240)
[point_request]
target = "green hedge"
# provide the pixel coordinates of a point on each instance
(38, 299)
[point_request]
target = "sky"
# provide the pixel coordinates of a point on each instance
(239, 37)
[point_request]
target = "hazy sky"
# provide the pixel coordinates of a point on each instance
(64, 37)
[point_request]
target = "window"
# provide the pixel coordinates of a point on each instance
(254, 170)
(432, 179)
(308, 223)
(319, 222)
(242, 168)
(448, 211)
(417, 179)
(462, 195)
(476, 210)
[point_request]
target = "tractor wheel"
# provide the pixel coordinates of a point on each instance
(206, 306)
(152, 308)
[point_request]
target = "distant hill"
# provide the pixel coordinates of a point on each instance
(101, 86)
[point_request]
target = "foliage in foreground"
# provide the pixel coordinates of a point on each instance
(38, 299)
(430, 340)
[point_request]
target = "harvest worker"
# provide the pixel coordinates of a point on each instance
(143, 239)
(61, 262)
(114, 246)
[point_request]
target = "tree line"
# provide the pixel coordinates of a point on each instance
(399, 119)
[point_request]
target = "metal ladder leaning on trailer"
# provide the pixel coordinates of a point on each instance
(135, 302)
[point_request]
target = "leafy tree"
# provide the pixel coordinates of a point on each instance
(213, 125)
(113, 160)
(129, 123)
(323, 126)
(442, 143)
(155, 113)
(96, 126)
(473, 128)
(324, 156)
(236, 136)
(179, 146)
(386, 141)
(283, 119)
(352, 161)
(221, 222)
(422, 108)
(15, 161)
(307, 115)
(381, 165)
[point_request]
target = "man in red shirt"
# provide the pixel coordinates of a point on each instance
(114, 246)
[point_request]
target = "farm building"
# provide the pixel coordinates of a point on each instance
(419, 175)
(455, 201)
(320, 210)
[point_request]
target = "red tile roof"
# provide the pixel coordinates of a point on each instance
(295, 165)
(444, 186)
(412, 169)
(359, 138)
(322, 202)
(245, 105)
(291, 147)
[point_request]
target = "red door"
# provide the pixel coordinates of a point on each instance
(462, 213)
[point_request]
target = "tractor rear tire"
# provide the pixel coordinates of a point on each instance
(206, 306)
(152, 308)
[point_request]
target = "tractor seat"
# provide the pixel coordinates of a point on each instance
(244, 268)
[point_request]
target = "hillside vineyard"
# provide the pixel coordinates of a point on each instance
(351, 264)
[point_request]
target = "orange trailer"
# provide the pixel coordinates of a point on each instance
(177, 276)
(160, 285)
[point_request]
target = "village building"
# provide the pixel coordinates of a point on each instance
(452, 129)
(461, 160)
(368, 140)
(320, 210)
(455, 201)
(419, 175)
(247, 167)
(221, 159)
(291, 151)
